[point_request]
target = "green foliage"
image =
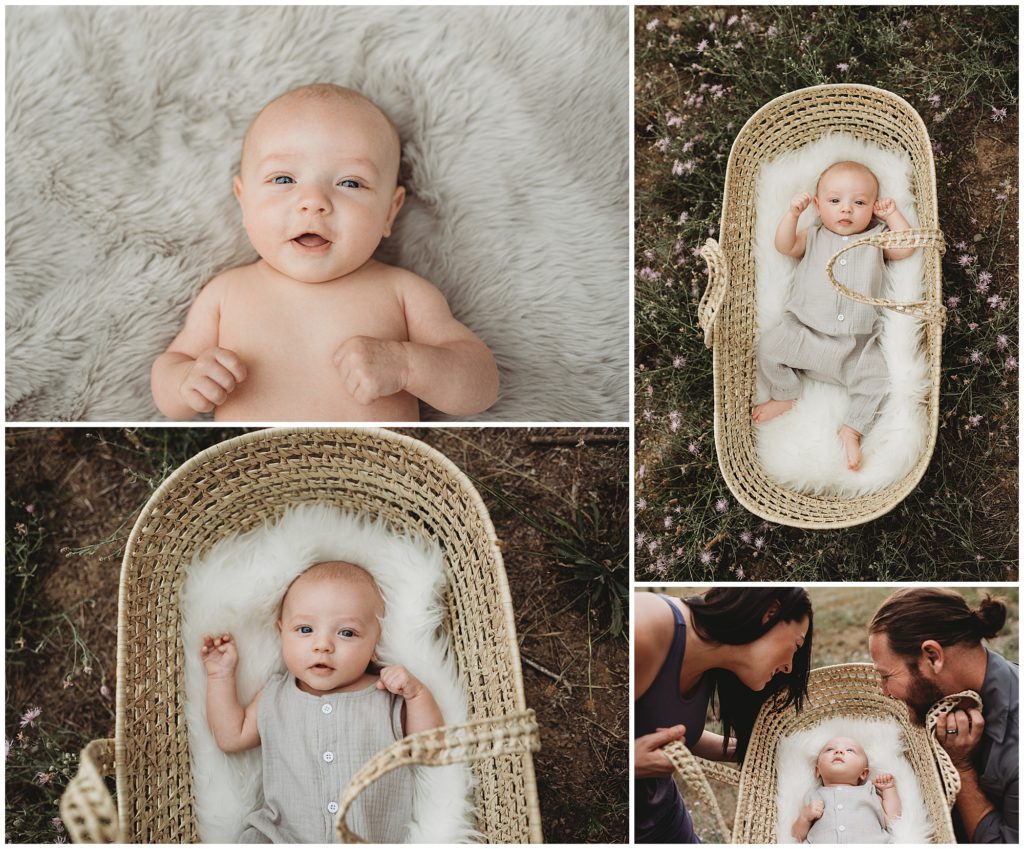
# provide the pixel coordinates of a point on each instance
(701, 72)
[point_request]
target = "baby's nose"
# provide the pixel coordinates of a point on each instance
(314, 202)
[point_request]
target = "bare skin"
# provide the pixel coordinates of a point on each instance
(316, 329)
(846, 199)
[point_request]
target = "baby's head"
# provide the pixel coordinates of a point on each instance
(318, 182)
(330, 626)
(842, 761)
(845, 197)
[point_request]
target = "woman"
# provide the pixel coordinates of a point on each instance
(748, 645)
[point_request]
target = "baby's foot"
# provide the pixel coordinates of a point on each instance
(851, 442)
(770, 409)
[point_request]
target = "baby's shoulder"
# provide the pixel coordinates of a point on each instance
(399, 278)
(225, 280)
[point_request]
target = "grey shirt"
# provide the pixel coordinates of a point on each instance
(813, 299)
(853, 814)
(998, 758)
(311, 746)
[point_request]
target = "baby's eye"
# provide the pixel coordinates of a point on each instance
(282, 180)
(305, 629)
(833, 200)
(859, 202)
(350, 184)
(347, 632)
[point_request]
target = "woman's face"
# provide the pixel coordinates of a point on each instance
(772, 653)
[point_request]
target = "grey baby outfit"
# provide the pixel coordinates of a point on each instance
(852, 815)
(312, 745)
(827, 336)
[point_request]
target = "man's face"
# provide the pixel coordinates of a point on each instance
(903, 678)
(317, 186)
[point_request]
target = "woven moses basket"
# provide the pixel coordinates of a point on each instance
(235, 486)
(846, 690)
(728, 309)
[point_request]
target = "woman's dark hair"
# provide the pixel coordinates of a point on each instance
(915, 614)
(733, 616)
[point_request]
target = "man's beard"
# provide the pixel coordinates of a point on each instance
(923, 694)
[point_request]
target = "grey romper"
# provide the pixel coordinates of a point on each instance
(312, 745)
(826, 336)
(852, 815)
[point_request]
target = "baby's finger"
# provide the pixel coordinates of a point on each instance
(232, 362)
(220, 375)
(197, 401)
(210, 390)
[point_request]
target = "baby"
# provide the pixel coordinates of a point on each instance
(325, 717)
(824, 335)
(846, 809)
(316, 329)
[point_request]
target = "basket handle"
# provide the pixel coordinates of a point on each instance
(466, 742)
(86, 806)
(947, 772)
(714, 294)
(691, 771)
(929, 309)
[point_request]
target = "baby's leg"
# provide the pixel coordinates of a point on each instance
(867, 381)
(774, 350)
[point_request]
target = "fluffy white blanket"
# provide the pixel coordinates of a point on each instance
(237, 587)
(124, 127)
(883, 745)
(801, 449)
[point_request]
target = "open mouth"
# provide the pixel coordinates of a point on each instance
(322, 667)
(311, 240)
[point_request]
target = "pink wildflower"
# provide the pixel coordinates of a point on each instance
(973, 421)
(674, 419)
(652, 24)
(706, 558)
(702, 45)
(953, 301)
(30, 508)
(721, 505)
(45, 778)
(641, 538)
(58, 824)
(965, 260)
(739, 573)
(985, 277)
(1010, 364)
(694, 447)
(641, 472)
(935, 100)
(998, 115)
(105, 691)
(1002, 342)
(732, 19)
(668, 522)
(995, 302)
(975, 356)
(662, 145)
(843, 67)
(746, 537)
(678, 361)
(759, 542)
(683, 217)
(30, 716)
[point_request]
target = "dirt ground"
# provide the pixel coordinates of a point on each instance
(73, 494)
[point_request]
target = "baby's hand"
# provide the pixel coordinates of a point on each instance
(813, 811)
(372, 368)
(884, 781)
(213, 376)
(799, 203)
(884, 208)
(398, 680)
(220, 655)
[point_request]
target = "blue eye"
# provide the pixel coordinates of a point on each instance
(350, 184)
(347, 632)
(305, 629)
(280, 178)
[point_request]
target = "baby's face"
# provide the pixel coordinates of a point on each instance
(318, 186)
(842, 761)
(329, 632)
(845, 200)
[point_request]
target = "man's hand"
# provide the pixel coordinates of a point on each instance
(372, 368)
(960, 732)
(213, 376)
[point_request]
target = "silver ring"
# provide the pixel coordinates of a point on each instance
(951, 731)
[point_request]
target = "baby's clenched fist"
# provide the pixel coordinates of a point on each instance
(799, 203)
(398, 680)
(372, 368)
(220, 655)
(211, 378)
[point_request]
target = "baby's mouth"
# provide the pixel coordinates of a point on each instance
(321, 666)
(311, 240)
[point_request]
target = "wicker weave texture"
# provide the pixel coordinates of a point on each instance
(233, 487)
(729, 308)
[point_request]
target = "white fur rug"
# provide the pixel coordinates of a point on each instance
(124, 127)
(801, 449)
(883, 745)
(237, 587)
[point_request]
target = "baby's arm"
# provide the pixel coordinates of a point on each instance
(886, 209)
(809, 815)
(234, 729)
(787, 240)
(194, 375)
(443, 363)
(885, 784)
(421, 712)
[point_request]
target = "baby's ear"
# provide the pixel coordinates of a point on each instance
(864, 775)
(396, 204)
(236, 183)
(278, 623)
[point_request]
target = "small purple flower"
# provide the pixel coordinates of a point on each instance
(641, 538)
(673, 120)
(771, 32)
(995, 302)
(683, 217)
(1002, 342)
(935, 100)
(652, 24)
(641, 472)
(903, 25)
(985, 277)
(662, 145)
(58, 824)
(30, 716)
(975, 356)
(30, 508)
(843, 67)
(649, 274)
(953, 301)
(972, 325)
(759, 542)
(973, 421)
(722, 505)
(998, 115)
(105, 691)
(45, 778)
(732, 19)
(694, 447)
(678, 361)
(960, 246)
(1010, 364)
(706, 558)
(965, 260)
(674, 419)
(668, 521)
(739, 573)
(702, 45)
(746, 537)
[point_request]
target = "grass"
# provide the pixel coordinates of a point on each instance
(700, 73)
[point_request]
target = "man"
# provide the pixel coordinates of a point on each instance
(926, 644)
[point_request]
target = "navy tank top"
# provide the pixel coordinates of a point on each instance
(661, 815)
